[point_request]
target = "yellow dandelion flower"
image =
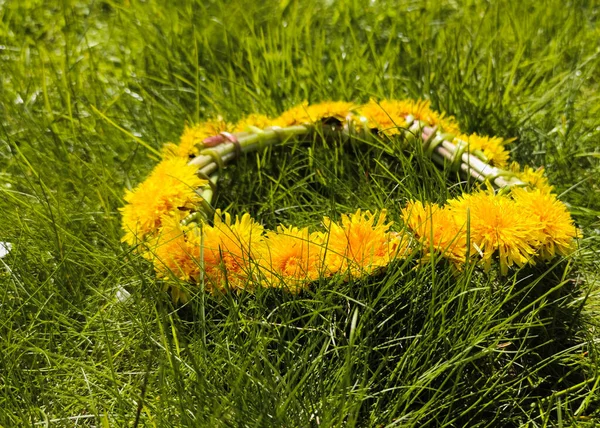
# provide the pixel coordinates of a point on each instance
(230, 251)
(421, 110)
(256, 120)
(497, 225)
(176, 254)
(293, 116)
(190, 143)
(291, 257)
(359, 244)
(558, 229)
(448, 124)
(436, 229)
(339, 110)
(171, 187)
(385, 116)
(306, 114)
(534, 177)
(493, 148)
(389, 116)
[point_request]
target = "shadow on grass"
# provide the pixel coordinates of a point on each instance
(408, 346)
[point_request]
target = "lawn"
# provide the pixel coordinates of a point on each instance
(90, 92)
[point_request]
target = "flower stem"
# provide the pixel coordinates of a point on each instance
(225, 148)
(211, 159)
(470, 165)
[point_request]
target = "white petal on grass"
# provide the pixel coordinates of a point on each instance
(5, 248)
(122, 294)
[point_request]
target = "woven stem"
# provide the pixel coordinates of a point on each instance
(470, 165)
(211, 159)
(222, 149)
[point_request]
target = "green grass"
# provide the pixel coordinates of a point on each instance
(82, 82)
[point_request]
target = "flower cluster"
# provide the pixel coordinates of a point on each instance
(171, 189)
(515, 229)
(240, 255)
(386, 117)
(490, 149)
(521, 226)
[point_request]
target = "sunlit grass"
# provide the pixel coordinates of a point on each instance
(81, 85)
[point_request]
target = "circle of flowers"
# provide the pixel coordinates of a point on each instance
(165, 216)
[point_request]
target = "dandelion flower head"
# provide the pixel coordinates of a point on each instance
(360, 243)
(436, 228)
(171, 187)
(230, 251)
(292, 257)
(493, 148)
(498, 226)
(176, 255)
(558, 230)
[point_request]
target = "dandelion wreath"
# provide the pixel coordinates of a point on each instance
(514, 220)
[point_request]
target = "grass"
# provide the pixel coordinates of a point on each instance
(87, 89)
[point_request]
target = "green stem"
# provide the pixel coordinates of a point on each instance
(470, 164)
(211, 159)
(444, 152)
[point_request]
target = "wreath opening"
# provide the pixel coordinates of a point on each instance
(511, 219)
